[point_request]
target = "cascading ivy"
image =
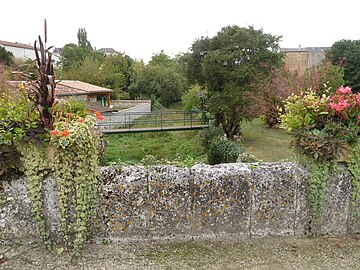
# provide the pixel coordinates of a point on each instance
(75, 167)
(34, 164)
(319, 173)
(71, 156)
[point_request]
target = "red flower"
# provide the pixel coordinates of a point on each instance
(65, 133)
(54, 133)
(344, 90)
(99, 116)
(81, 120)
(69, 114)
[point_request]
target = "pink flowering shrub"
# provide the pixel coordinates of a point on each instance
(322, 125)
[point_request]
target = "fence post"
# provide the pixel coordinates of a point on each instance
(161, 123)
(191, 114)
(129, 122)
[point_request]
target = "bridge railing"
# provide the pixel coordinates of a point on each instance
(154, 120)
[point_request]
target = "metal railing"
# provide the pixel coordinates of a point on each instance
(153, 121)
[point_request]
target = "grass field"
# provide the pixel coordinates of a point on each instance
(269, 145)
(134, 147)
(266, 144)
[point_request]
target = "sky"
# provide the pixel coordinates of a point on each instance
(141, 28)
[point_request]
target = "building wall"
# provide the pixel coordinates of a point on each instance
(20, 52)
(298, 60)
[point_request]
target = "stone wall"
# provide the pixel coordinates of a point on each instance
(204, 201)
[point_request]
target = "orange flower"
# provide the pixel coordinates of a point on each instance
(65, 133)
(69, 114)
(54, 133)
(99, 116)
(81, 120)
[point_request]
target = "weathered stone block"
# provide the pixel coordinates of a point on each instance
(170, 201)
(221, 199)
(301, 203)
(336, 203)
(273, 188)
(15, 212)
(123, 208)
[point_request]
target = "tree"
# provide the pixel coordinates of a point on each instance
(195, 59)
(6, 56)
(194, 98)
(159, 80)
(231, 65)
(72, 56)
(114, 74)
(82, 39)
(158, 83)
(161, 59)
(346, 54)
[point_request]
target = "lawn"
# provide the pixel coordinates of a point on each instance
(172, 146)
(269, 145)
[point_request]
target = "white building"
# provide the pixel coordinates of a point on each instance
(19, 50)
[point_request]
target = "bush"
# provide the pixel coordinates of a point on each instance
(223, 151)
(210, 135)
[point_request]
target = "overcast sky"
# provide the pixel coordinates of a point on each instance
(141, 28)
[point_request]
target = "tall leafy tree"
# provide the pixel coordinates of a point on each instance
(346, 54)
(231, 65)
(73, 55)
(158, 83)
(159, 80)
(195, 59)
(162, 59)
(83, 40)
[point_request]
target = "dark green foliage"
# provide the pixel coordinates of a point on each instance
(223, 151)
(9, 160)
(231, 65)
(6, 57)
(82, 39)
(195, 59)
(320, 148)
(208, 136)
(159, 82)
(73, 55)
(346, 54)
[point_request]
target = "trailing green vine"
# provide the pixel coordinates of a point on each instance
(75, 167)
(34, 165)
(318, 175)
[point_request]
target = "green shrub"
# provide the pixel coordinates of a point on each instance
(223, 151)
(16, 126)
(210, 135)
(77, 107)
